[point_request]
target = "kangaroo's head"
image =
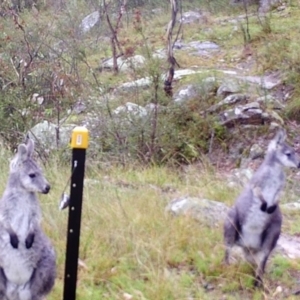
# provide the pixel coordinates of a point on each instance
(26, 172)
(282, 152)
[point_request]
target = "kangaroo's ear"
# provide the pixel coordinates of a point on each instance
(278, 140)
(22, 153)
(30, 147)
(280, 136)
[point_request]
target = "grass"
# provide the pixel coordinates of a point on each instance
(124, 241)
(130, 246)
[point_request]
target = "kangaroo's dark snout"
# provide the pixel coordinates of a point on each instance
(46, 189)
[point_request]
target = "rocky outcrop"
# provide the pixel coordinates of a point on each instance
(124, 64)
(208, 211)
(90, 21)
(48, 136)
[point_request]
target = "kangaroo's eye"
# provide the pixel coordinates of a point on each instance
(31, 175)
(288, 154)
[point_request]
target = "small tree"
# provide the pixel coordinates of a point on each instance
(115, 44)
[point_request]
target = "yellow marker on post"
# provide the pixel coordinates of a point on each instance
(80, 138)
(79, 144)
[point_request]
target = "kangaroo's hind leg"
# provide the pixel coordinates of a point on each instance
(42, 280)
(232, 229)
(268, 242)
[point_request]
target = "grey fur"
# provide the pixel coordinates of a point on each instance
(27, 258)
(254, 222)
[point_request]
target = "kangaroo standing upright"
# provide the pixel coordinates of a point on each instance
(27, 258)
(254, 222)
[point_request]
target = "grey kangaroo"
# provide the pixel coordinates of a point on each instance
(254, 222)
(27, 258)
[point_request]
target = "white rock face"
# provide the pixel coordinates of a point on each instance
(124, 65)
(89, 21)
(45, 134)
(131, 109)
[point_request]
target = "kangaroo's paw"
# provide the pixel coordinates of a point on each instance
(14, 241)
(29, 240)
(271, 209)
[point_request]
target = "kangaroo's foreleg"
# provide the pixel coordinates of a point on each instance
(31, 234)
(264, 205)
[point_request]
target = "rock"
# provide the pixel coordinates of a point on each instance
(240, 177)
(79, 107)
(125, 64)
(271, 102)
(191, 17)
(283, 92)
(256, 151)
(289, 246)
(90, 21)
(127, 296)
(185, 93)
(205, 49)
(179, 45)
(229, 87)
(229, 100)
(157, 11)
(178, 74)
(139, 83)
(267, 82)
(291, 206)
(235, 151)
(249, 114)
(274, 125)
(45, 135)
(151, 107)
(208, 211)
(207, 45)
(131, 109)
(37, 98)
(209, 85)
(202, 48)
(134, 61)
(160, 54)
(278, 291)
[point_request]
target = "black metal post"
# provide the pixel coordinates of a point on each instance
(73, 234)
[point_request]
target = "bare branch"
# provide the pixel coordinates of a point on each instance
(114, 31)
(171, 59)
